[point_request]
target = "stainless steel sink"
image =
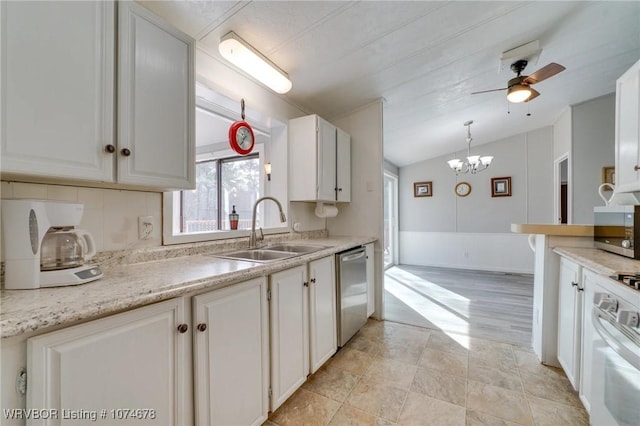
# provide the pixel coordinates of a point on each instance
(257, 255)
(271, 253)
(295, 248)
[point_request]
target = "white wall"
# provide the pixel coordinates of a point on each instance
(364, 214)
(593, 147)
(473, 232)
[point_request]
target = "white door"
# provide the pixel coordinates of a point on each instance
(322, 311)
(570, 320)
(289, 332)
(56, 111)
(138, 360)
(231, 355)
(326, 161)
(156, 103)
(343, 166)
(390, 239)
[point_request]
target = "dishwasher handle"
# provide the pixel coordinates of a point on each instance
(351, 257)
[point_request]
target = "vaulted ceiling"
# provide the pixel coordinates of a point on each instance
(424, 58)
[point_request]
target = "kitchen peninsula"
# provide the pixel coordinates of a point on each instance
(543, 238)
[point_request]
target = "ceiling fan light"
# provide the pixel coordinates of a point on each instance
(518, 93)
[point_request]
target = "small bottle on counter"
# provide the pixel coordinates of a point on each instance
(233, 218)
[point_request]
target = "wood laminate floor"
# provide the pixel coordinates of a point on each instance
(488, 305)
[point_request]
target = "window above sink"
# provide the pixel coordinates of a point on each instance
(225, 179)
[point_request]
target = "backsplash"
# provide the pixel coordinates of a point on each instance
(110, 215)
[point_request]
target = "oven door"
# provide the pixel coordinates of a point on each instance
(615, 398)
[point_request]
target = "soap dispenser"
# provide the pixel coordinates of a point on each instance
(233, 218)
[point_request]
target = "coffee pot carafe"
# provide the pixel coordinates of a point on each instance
(64, 248)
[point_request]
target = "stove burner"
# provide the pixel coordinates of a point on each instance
(632, 280)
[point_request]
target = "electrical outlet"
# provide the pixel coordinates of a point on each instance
(145, 227)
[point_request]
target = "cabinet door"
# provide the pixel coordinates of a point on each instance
(326, 161)
(156, 104)
(570, 320)
(289, 333)
(343, 166)
(628, 130)
(323, 340)
(134, 360)
(371, 279)
(231, 339)
(56, 111)
(588, 334)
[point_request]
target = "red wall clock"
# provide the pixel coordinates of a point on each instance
(241, 137)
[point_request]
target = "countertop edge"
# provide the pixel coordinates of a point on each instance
(52, 312)
(599, 261)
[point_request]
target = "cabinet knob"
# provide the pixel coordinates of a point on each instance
(125, 151)
(313, 280)
(574, 284)
(110, 149)
(182, 328)
(202, 326)
(306, 284)
(339, 189)
(580, 289)
(636, 167)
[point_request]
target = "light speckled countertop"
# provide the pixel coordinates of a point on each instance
(600, 261)
(137, 284)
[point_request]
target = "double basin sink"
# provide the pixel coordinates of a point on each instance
(272, 252)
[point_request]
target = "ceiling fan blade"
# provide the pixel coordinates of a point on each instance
(534, 94)
(544, 73)
(487, 91)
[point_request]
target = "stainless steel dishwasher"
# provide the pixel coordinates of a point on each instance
(351, 292)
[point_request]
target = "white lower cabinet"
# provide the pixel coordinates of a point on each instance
(289, 328)
(570, 298)
(588, 333)
(231, 355)
(323, 339)
(133, 367)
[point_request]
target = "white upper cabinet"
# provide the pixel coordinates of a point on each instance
(319, 161)
(628, 130)
(156, 104)
(58, 115)
(57, 89)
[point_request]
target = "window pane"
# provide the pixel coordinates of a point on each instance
(199, 206)
(240, 187)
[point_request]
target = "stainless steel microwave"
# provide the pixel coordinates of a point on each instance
(617, 229)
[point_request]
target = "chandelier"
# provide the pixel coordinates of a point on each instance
(474, 163)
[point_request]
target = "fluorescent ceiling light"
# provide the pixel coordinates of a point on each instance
(244, 56)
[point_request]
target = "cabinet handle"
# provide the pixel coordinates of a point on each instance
(125, 151)
(313, 280)
(636, 167)
(306, 284)
(574, 284)
(580, 289)
(339, 189)
(110, 149)
(182, 328)
(202, 326)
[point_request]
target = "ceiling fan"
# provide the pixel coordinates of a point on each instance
(519, 88)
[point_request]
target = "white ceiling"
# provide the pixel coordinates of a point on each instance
(424, 58)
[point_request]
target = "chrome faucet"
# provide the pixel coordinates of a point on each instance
(252, 237)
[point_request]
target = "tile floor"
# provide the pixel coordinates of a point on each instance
(397, 374)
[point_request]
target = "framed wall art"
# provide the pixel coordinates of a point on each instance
(609, 175)
(501, 187)
(422, 189)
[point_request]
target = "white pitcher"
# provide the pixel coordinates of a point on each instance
(617, 198)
